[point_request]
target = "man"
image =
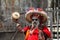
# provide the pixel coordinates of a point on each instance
(37, 31)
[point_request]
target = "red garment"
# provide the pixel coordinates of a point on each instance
(34, 36)
(46, 31)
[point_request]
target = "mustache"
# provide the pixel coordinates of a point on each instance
(35, 23)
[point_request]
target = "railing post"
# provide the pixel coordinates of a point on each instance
(57, 25)
(51, 20)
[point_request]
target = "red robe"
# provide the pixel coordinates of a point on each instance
(46, 31)
(34, 36)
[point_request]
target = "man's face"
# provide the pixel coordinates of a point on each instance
(35, 21)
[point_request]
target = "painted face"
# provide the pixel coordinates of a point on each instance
(35, 21)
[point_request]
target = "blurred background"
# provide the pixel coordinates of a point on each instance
(8, 29)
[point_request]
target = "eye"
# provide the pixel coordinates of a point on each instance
(34, 19)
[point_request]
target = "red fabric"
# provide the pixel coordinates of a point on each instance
(39, 9)
(33, 36)
(46, 31)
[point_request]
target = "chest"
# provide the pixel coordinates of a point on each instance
(33, 32)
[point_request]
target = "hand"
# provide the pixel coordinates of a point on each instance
(15, 20)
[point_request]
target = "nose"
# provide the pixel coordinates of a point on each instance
(34, 22)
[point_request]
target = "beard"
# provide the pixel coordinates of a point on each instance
(35, 24)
